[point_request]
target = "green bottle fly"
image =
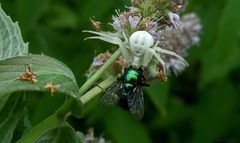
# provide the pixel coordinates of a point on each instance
(127, 92)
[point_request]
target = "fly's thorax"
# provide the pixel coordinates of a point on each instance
(131, 78)
(131, 75)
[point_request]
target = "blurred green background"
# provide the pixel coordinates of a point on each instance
(201, 105)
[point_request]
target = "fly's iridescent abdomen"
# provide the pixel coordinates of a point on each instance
(127, 92)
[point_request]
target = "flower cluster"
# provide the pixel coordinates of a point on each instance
(98, 61)
(125, 20)
(161, 19)
(180, 41)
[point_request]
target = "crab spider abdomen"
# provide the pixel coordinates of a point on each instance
(140, 41)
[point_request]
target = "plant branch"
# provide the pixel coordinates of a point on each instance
(98, 74)
(42, 128)
(96, 90)
(64, 111)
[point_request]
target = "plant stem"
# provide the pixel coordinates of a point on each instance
(96, 90)
(64, 111)
(98, 74)
(42, 128)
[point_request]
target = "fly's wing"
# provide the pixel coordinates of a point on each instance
(136, 103)
(111, 97)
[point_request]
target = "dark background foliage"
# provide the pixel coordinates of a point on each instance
(201, 105)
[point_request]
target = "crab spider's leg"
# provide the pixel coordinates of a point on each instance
(97, 33)
(148, 55)
(155, 45)
(158, 49)
(124, 50)
(147, 58)
(111, 34)
(114, 40)
(125, 53)
(104, 35)
(160, 60)
(125, 38)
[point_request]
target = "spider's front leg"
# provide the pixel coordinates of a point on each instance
(107, 37)
(126, 41)
(147, 58)
(148, 55)
(160, 50)
(157, 56)
(110, 38)
(125, 52)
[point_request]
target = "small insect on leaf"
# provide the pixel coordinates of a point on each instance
(52, 87)
(96, 24)
(28, 75)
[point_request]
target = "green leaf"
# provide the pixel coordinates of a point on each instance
(124, 128)
(77, 109)
(221, 58)
(10, 115)
(46, 69)
(23, 126)
(158, 94)
(216, 112)
(11, 42)
(3, 101)
(64, 134)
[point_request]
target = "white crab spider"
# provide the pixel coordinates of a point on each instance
(140, 42)
(139, 50)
